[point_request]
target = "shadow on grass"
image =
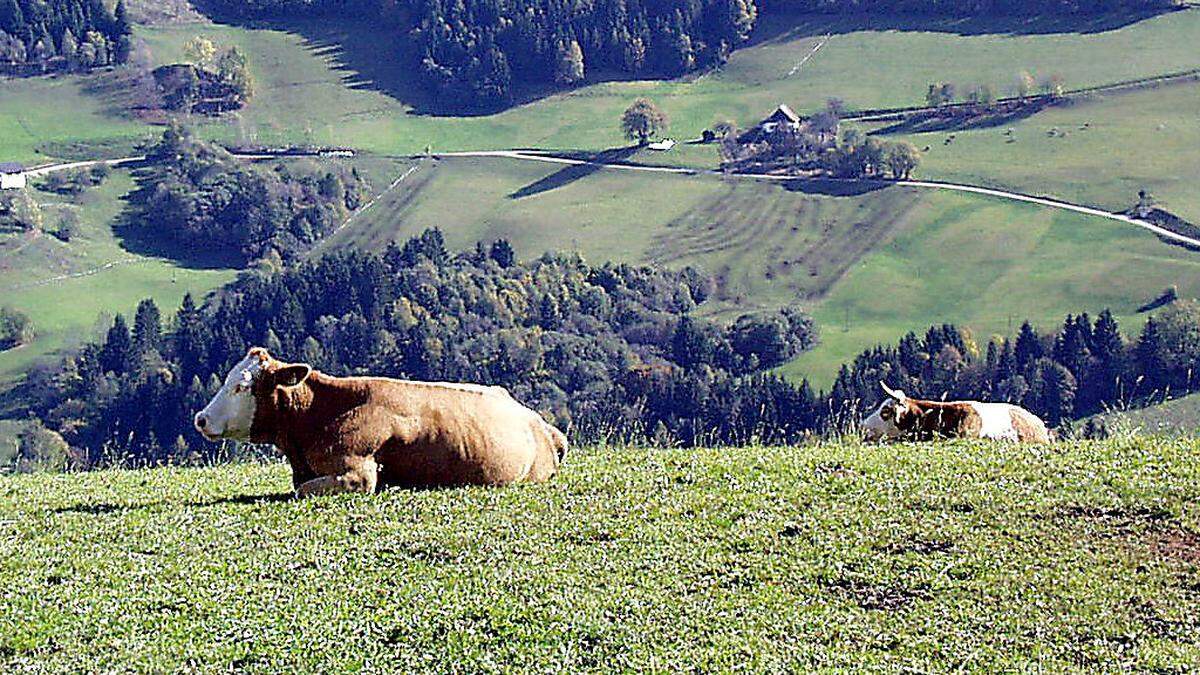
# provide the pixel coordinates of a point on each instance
(833, 187)
(792, 26)
(927, 123)
(574, 172)
(105, 508)
(138, 235)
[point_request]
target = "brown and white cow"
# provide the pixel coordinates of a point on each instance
(899, 417)
(354, 434)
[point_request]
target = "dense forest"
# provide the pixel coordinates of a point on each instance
(41, 35)
(609, 352)
(195, 193)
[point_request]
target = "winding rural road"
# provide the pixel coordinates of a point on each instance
(534, 156)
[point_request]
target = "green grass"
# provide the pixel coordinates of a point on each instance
(933, 557)
(883, 263)
(1177, 417)
(1145, 139)
(324, 82)
(65, 311)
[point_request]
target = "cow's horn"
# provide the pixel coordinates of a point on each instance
(898, 395)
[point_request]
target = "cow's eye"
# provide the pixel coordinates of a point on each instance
(886, 413)
(239, 388)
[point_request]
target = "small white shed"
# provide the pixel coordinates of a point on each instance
(12, 176)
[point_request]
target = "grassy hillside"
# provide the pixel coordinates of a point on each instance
(1177, 417)
(933, 557)
(1099, 151)
(870, 267)
(65, 286)
(327, 82)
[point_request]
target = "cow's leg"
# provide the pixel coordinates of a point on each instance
(362, 477)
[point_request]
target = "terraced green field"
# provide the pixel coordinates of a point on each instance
(935, 557)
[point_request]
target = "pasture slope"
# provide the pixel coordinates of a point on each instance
(870, 267)
(938, 557)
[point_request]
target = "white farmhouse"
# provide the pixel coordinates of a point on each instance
(12, 176)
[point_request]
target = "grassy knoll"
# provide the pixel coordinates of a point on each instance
(41, 118)
(1177, 417)
(325, 81)
(879, 264)
(1102, 151)
(36, 269)
(935, 557)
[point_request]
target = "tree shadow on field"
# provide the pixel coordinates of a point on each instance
(137, 234)
(785, 27)
(950, 121)
(574, 172)
(834, 187)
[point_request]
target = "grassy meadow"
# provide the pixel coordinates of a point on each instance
(1099, 151)
(1176, 417)
(66, 287)
(870, 267)
(341, 83)
(936, 557)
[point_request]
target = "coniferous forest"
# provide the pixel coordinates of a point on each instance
(609, 352)
(40, 35)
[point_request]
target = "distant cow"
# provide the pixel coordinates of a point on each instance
(901, 417)
(352, 434)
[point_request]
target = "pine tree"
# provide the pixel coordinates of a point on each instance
(118, 353)
(147, 327)
(1029, 347)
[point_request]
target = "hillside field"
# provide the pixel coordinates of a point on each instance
(869, 267)
(326, 82)
(1100, 151)
(1176, 417)
(66, 287)
(941, 557)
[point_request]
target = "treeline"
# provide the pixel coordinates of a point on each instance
(39, 35)
(196, 194)
(1082, 368)
(968, 7)
(607, 351)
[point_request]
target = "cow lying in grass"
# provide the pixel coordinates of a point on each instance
(899, 417)
(354, 434)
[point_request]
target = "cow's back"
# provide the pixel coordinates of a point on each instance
(1008, 422)
(464, 434)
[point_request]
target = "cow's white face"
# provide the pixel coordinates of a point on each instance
(231, 412)
(881, 424)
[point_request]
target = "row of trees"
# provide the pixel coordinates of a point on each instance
(606, 351)
(609, 352)
(64, 33)
(1025, 84)
(475, 53)
(196, 193)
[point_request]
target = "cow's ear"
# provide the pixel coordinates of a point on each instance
(292, 375)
